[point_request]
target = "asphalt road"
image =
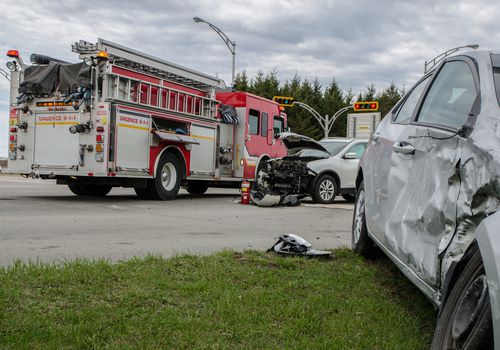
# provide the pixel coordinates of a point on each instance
(41, 221)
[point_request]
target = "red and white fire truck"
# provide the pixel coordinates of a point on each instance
(120, 117)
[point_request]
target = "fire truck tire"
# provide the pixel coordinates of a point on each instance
(167, 181)
(95, 190)
(197, 187)
(142, 193)
(75, 188)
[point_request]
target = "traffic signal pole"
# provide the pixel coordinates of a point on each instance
(325, 122)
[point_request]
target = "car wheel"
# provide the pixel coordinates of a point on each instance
(142, 193)
(167, 181)
(197, 187)
(465, 320)
(349, 197)
(362, 243)
(258, 183)
(325, 189)
(75, 188)
(95, 190)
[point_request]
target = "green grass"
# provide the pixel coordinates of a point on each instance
(228, 300)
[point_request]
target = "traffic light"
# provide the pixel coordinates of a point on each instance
(366, 106)
(284, 100)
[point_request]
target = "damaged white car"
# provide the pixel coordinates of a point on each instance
(321, 169)
(428, 195)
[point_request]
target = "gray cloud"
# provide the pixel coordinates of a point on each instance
(358, 42)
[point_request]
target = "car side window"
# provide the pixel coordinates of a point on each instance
(359, 149)
(451, 96)
(405, 112)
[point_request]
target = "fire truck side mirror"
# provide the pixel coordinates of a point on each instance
(277, 132)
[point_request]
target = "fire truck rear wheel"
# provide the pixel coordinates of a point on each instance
(197, 187)
(75, 188)
(167, 181)
(95, 190)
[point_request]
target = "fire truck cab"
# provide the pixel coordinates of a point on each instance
(124, 118)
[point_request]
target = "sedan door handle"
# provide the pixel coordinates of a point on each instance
(403, 147)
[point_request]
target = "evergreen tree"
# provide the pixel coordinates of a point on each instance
(388, 98)
(241, 81)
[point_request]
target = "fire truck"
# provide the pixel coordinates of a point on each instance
(123, 118)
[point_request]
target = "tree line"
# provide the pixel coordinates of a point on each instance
(324, 100)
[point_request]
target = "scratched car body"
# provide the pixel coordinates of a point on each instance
(428, 195)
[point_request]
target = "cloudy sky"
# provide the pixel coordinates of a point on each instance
(357, 42)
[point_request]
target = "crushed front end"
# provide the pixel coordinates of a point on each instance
(287, 175)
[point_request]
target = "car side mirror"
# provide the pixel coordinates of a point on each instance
(350, 155)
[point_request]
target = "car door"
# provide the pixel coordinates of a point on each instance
(350, 166)
(424, 179)
(377, 162)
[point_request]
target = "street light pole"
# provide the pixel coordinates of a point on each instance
(445, 54)
(231, 45)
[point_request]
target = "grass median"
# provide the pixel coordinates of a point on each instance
(247, 300)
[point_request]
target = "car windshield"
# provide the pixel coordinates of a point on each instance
(312, 153)
(334, 147)
(496, 74)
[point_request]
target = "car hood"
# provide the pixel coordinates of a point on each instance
(295, 142)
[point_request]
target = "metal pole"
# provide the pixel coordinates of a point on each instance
(234, 64)
(231, 45)
(336, 115)
(325, 129)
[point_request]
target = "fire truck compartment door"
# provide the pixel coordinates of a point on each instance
(203, 153)
(54, 144)
(165, 136)
(132, 140)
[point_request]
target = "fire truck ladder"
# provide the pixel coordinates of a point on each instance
(136, 91)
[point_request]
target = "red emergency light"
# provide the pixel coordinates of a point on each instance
(13, 53)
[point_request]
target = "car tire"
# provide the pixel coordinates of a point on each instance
(261, 169)
(325, 189)
(362, 243)
(197, 187)
(95, 190)
(142, 193)
(167, 181)
(75, 188)
(465, 320)
(349, 197)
